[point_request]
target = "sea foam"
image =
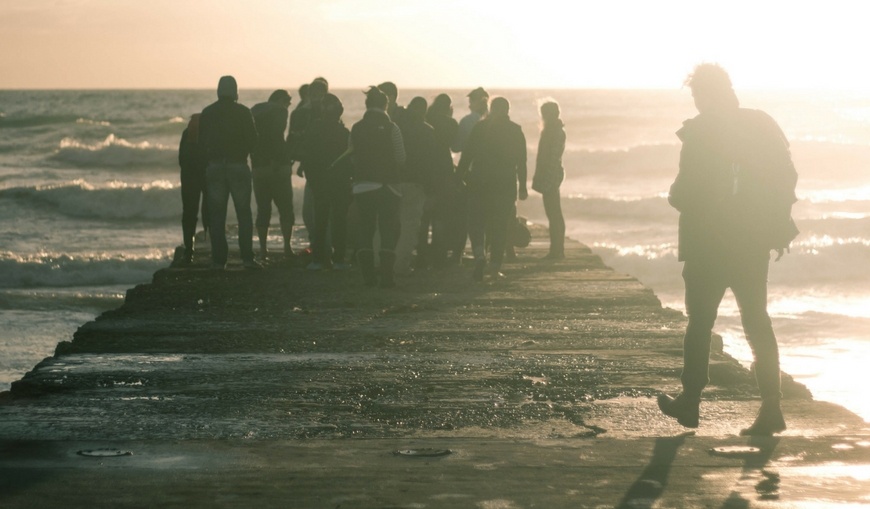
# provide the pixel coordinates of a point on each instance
(114, 152)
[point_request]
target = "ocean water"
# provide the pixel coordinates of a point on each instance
(90, 200)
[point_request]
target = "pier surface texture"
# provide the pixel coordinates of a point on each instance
(293, 388)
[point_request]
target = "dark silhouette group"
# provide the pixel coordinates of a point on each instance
(386, 190)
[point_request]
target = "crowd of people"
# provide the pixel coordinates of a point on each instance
(385, 195)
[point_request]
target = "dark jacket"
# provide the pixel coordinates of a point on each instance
(374, 155)
(446, 128)
(227, 131)
(271, 121)
(548, 163)
(735, 186)
(419, 138)
(327, 142)
(494, 159)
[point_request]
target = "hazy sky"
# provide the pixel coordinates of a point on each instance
(418, 43)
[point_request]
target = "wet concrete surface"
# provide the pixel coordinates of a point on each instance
(289, 388)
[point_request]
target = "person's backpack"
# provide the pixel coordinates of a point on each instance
(762, 185)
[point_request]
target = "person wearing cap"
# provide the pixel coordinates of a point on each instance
(271, 168)
(478, 103)
(229, 136)
(493, 166)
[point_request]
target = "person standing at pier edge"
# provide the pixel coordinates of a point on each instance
(378, 154)
(229, 136)
(549, 175)
(493, 163)
(272, 171)
(437, 207)
(734, 191)
(193, 161)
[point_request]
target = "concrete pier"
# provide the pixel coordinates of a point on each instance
(291, 388)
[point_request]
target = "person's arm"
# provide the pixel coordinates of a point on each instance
(398, 146)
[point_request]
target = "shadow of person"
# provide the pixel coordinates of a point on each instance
(648, 488)
(768, 483)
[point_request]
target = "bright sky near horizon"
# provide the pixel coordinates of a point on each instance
(431, 44)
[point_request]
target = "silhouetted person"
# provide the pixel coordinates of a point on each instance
(493, 165)
(549, 175)
(330, 183)
(419, 169)
(436, 211)
(272, 170)
(192, 159)
(228, 133)
(734, 192)
(378, 154)
(457, 219)
(307, 117)
(395, 112)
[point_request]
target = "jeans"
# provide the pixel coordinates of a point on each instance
(378, 211)
(410, 214)
(553, 208)
(331, 200)
(273, 183)
(225, 180)
(489, 214)
(193, 186)
(706, 282)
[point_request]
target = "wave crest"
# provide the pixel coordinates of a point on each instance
(64, 270)
(114, 152)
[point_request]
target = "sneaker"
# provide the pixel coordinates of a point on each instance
(252, 265)
(681, 408)
(314, 266)
(217, 266)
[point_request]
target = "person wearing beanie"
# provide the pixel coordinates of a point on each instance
(228, 135)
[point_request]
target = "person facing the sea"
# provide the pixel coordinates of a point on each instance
(305, 119)
(734, 191)
(419, 138)
(549, 175)
(229, 136)
(493, 166)
(330, 183)
(436, 209)
(193, 160)
(272, 171)
(378, 153)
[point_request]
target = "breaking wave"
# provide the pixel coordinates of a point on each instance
(114, 152)
(64, 270)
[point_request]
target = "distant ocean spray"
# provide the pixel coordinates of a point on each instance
(91, 206)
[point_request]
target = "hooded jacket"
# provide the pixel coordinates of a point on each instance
(270, 119)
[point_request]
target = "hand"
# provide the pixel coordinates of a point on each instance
(779, 253)
(300, 172)
(524, 193)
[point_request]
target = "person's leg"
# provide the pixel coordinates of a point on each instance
(705, 287)
(218, 195)
(190, 192)
(501, 212)
(477, 231)
(366, 206)
(340, 199)
(240, 189)
(262, 184)
(308, 209)
(508, 250)
(389, 224)
(321, 203)
(750, 291)
(282, 194)
(202, 186)
(556, 222)
(410, 214)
